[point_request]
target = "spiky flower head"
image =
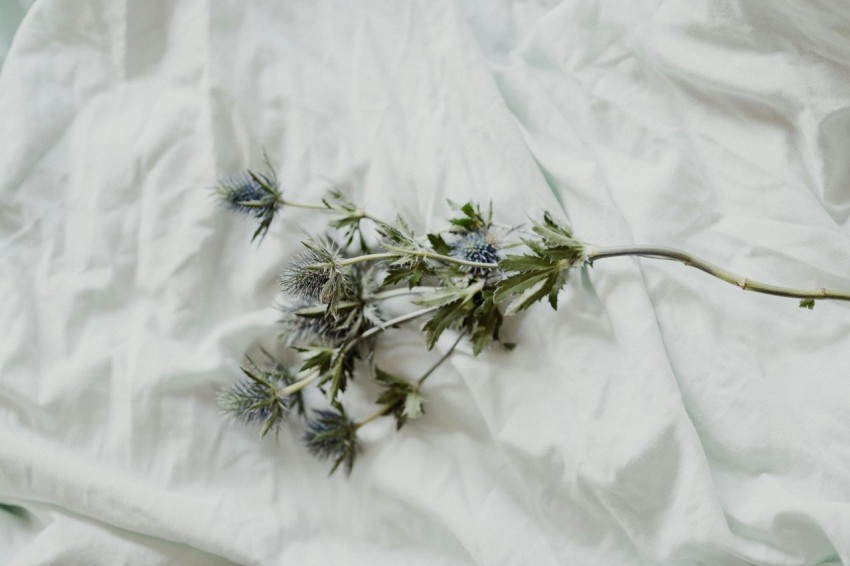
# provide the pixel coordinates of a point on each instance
(305, 323)
(257, 397)
(316, 275)
(254, 194)
(333, 436)
(478, 246)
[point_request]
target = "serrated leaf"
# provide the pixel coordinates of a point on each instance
(519, 283)
(439, 244)
(556, 288)
(532, 294)
(443, 318)
(524, 263)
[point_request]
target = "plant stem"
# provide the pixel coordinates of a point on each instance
(402, 292)
(376, 415)
(689, 260)
(450, 259)
(323, 206)
(294, 204)
(367, 257)
(397, 253)
(394, 321)
(444, 357)
(386, 325)
(298, 385)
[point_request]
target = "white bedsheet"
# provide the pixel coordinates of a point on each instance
(658, 417)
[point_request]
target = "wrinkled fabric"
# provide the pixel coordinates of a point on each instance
(658, 417)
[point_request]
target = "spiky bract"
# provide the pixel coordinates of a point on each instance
(256, 398)
(332, 436)
(255, 194)
(479, 246)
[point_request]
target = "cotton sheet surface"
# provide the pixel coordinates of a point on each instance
(660, 416)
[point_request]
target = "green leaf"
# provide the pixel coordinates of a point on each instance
(395, 395)
(532, 294)
(411, 273)
(807, 304)
(484, 323)
(444, 317)
(556, 288)
(519, 283)
(447, 295)
(525, 263)
(439, 244)
(473, 219)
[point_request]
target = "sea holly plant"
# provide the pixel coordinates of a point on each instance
(463, 279)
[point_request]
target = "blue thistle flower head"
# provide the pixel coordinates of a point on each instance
(253, 194)
(479, 246)
(305, 277)
(316, 276)
(333, 436)
(303, 324)
(257, 399)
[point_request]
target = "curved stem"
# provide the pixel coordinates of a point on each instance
(444, 357)
(402, 292)
(396, 253)
(689, 260)
(298, 385)
(385, 409)
(394, 321)
(367, 257)
(294, 204)
(386, 325)
(367, 216)
(458, 261)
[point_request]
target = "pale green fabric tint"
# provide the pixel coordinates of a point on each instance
(658, 417)
(12, 12)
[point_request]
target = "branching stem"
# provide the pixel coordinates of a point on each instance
(689, 260)
(403, 292)
(311, 205)
(393, 322)
(395, 254)
(442, 359)
(298, 385)
(384, 410)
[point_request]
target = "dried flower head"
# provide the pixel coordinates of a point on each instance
(305, 323)
(253, 194)
(333, 436)
(316, 275)
(256, 398)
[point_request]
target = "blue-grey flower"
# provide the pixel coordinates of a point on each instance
(478, 246)
(306, 323)
(257, 398)
(253, 194)
(332, 436)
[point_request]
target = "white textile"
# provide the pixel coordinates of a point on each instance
(660, 416)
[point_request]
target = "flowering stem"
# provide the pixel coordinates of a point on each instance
(458, 261)
(294, 204)
(744, 283)
(385, 409)
(402, 292)
(323, 206)
(367, 257)
(444, 357)
(395, 254)
(393, 322)
(298, 385)
(400, 254)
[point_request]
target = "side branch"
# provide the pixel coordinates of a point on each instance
(687, 259)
